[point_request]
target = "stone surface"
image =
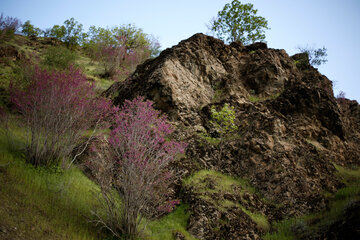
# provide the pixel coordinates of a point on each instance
(291, 128)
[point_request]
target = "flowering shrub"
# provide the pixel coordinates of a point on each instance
(8, 26)
(134, 160)
(118, 58)
(57, 107)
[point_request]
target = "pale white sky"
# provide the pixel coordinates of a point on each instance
(330, 23)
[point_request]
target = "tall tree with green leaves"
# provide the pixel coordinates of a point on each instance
(238, 22)
(70, 33)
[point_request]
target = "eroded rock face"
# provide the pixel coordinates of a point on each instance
(291, 128)
(199, 70)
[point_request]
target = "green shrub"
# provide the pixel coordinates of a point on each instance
(59, 57)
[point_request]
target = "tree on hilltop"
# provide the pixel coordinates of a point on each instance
(238, 22)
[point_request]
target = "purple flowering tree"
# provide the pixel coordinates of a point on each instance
(134, 160)
(57, 107)
(118, 58)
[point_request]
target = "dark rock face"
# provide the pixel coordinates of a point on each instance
(291, 128)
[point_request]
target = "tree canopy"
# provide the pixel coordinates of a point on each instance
(238, 22)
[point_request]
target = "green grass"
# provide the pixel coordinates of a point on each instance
(221, 181)
(207, 182)
(258, 218)
(217, 95)
(165, 227)
(283, 231)
(349, 175)
(320, 220)
(254, 99)
(43, 203)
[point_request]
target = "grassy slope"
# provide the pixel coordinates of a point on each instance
(48, 204)
(40, 204)
(224, 184)
(309, 224)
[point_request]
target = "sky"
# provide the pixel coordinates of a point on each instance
(315, 23)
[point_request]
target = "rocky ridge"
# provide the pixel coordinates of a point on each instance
(291, 130)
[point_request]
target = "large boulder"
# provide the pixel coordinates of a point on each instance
(291, 128)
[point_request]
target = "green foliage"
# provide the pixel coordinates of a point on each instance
(70, 33)
(208, 182)
(135, 38)
(73, 33)
(316, 56)
(59, 57)
(349, 175)
(165, 227)
(30, 30)
(222, 182)
(258, 218)
(238, 22)
(224, 120)
(43, 203)
(120, 49)
(57, 32)
(254, 99)
(223, 123)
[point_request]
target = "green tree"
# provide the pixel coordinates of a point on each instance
(57, 32)
(73, 33)
(30, 30)
(120, 48)
(135, 38)
(238, 22)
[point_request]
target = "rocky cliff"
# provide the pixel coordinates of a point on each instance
(292, 132)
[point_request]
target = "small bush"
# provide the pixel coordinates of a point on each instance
(59, 57)
(223, 124)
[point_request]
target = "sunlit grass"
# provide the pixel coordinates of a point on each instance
(207, 182)
(221, 181)
(42, 202)
(165, 227)
(258, 218)
(50, 203)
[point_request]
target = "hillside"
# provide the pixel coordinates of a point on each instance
(293, 135)
(289, 171)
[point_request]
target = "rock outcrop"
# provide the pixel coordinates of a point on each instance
(291, 128)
